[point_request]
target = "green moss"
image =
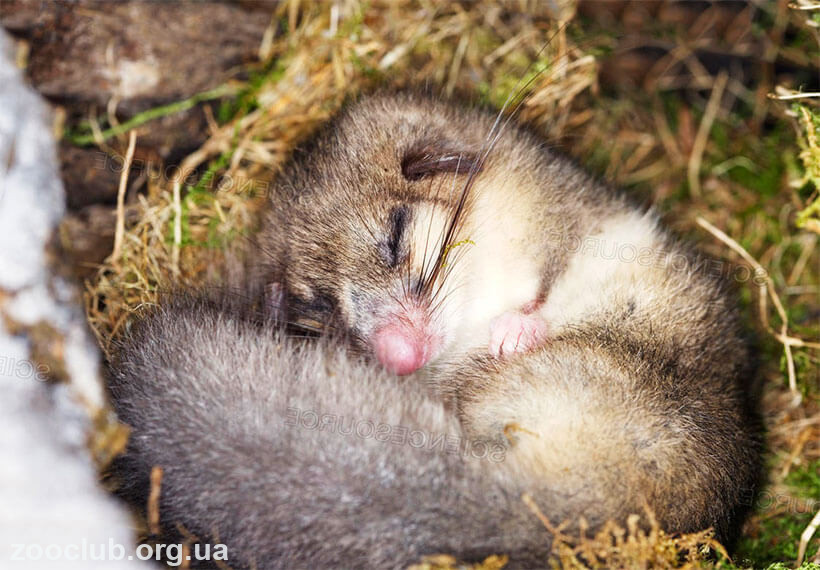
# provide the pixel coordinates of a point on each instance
(777, 537)
(775, 540)
(82, 134)
(246, 100)
(806, 481)
(366, 67)
(351, 27)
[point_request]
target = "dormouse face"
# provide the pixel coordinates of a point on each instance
(369, 214)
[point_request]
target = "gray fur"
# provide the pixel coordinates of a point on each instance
(207, 393)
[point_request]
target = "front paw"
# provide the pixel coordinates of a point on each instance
(514, 332)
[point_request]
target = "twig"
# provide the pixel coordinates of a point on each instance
(702, 137)
(767, 289)
(806, 537)
(804, 436)
(458, 57)
(790, 96)
(804, 5)
(528, 500)
(153, 500)
(557, 532)
(98, 136)
(293, 14)
(126, 168)
(177, 226)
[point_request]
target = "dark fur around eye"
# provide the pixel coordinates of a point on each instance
(427, 159)
(391, 248)
(319, 307)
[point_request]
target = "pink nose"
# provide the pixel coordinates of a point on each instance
(400, 349)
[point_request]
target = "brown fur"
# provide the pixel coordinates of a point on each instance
(658, 360)
(639, 396)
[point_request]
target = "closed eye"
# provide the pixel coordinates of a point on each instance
(320, 307)
(391, 249)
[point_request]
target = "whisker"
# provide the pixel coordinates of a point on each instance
(442, 237)
(452, 226)
(435, 308)
(364, 223)
(423, 270)
(493, 136)
(444, 279)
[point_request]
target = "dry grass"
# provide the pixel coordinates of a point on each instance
(306, 75)
(314, 56)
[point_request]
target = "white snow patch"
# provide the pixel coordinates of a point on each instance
(53, 513)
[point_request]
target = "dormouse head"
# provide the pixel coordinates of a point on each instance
(367, 220)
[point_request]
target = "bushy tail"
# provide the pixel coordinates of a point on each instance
(295, 455)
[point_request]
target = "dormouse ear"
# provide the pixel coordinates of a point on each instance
(427, 158)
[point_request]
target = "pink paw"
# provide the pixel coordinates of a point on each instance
(514, 332)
